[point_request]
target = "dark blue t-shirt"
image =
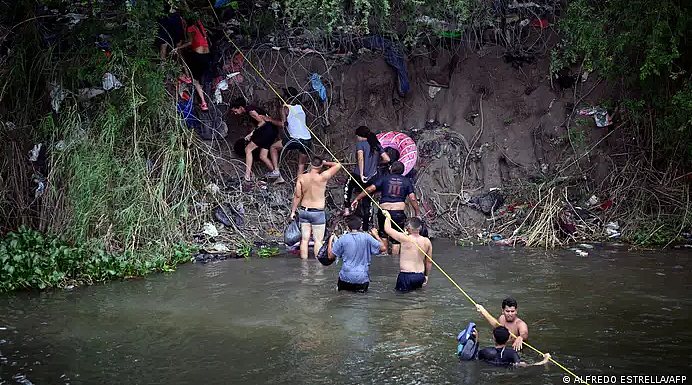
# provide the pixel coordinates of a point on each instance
(394, 188)
(499, 356)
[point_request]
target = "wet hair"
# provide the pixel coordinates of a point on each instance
(397, 168)
(354, 222)
(364, 132)
(511, 302)
(238, 102)
(316, 161)
(501, 335)
(415, 224)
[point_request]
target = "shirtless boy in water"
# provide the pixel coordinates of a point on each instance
(414, 266)
(310, 193)
(509, 320)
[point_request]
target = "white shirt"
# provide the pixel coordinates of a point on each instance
(297, 127)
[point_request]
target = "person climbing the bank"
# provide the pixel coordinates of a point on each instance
(262, 136)
(356, 249)
(309, 200)
(414, 266)
(508, 319)
(368, 154)
(298, 136)
(499, 355)
(197, 58)
(395, 188)
(171, 32)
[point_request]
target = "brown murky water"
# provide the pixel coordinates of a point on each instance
(281, 321)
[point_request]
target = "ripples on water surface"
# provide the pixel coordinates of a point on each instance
(281, 321)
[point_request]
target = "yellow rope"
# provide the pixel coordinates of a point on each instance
(373, 200)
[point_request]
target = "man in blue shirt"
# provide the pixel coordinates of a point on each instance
(355, 249)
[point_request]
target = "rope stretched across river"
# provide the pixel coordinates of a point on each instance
(577, 379)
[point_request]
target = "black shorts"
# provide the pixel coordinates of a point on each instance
(409, 281)
(265, 135)
(302, 145)
(198, 63)
(357, 287)
(398, 217)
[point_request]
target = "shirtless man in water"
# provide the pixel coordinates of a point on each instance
(310, 192)
(414, 266)
(509, 320)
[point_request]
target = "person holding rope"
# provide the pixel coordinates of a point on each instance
(262, 136)
(395, 188)
(508, 319)
(298, 138)
(310, 195)
(414, 266)
(368, 154)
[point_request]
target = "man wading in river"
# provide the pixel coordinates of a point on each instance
(310, 192)
(414, 266)
(395, 188)
(509, 320)
(355, 249)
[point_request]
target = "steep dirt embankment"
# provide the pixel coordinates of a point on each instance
(491, 125)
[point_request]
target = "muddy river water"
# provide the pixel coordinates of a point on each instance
(281, 321)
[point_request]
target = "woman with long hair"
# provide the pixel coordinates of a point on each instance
(368, 154)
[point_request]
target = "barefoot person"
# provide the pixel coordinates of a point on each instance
(414, 266)
(395, 188)
(310, 193)
(509, 319)
(356, 249)
(262, 136)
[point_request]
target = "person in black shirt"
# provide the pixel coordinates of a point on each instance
(500, 355)
(395, 188)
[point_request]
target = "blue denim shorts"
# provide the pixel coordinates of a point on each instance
(312, 216)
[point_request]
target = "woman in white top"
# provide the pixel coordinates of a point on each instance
(299, 138)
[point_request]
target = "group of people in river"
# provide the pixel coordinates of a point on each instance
(374, 173)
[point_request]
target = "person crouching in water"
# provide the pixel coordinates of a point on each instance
(310, 195)
(356, 249)
(500, 355)
(414, 266)
(262, 136)
(394, 189)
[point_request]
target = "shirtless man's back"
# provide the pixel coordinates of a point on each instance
(310, 195)
(414, 266)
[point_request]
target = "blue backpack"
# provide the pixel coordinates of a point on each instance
(468, 346)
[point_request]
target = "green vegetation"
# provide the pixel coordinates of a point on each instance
(29, 259)
(120, 168)
(642, 46)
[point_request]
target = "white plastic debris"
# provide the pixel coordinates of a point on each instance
(220, 247)
(213, 188)
(57, 95)
(432, 91)
(210, 230)
(110, 82)
(60, 145)
(33, 154)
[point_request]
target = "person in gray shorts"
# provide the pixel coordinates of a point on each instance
(309, 196)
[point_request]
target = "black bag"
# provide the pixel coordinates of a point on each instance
(292, 233)
(323, 255)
